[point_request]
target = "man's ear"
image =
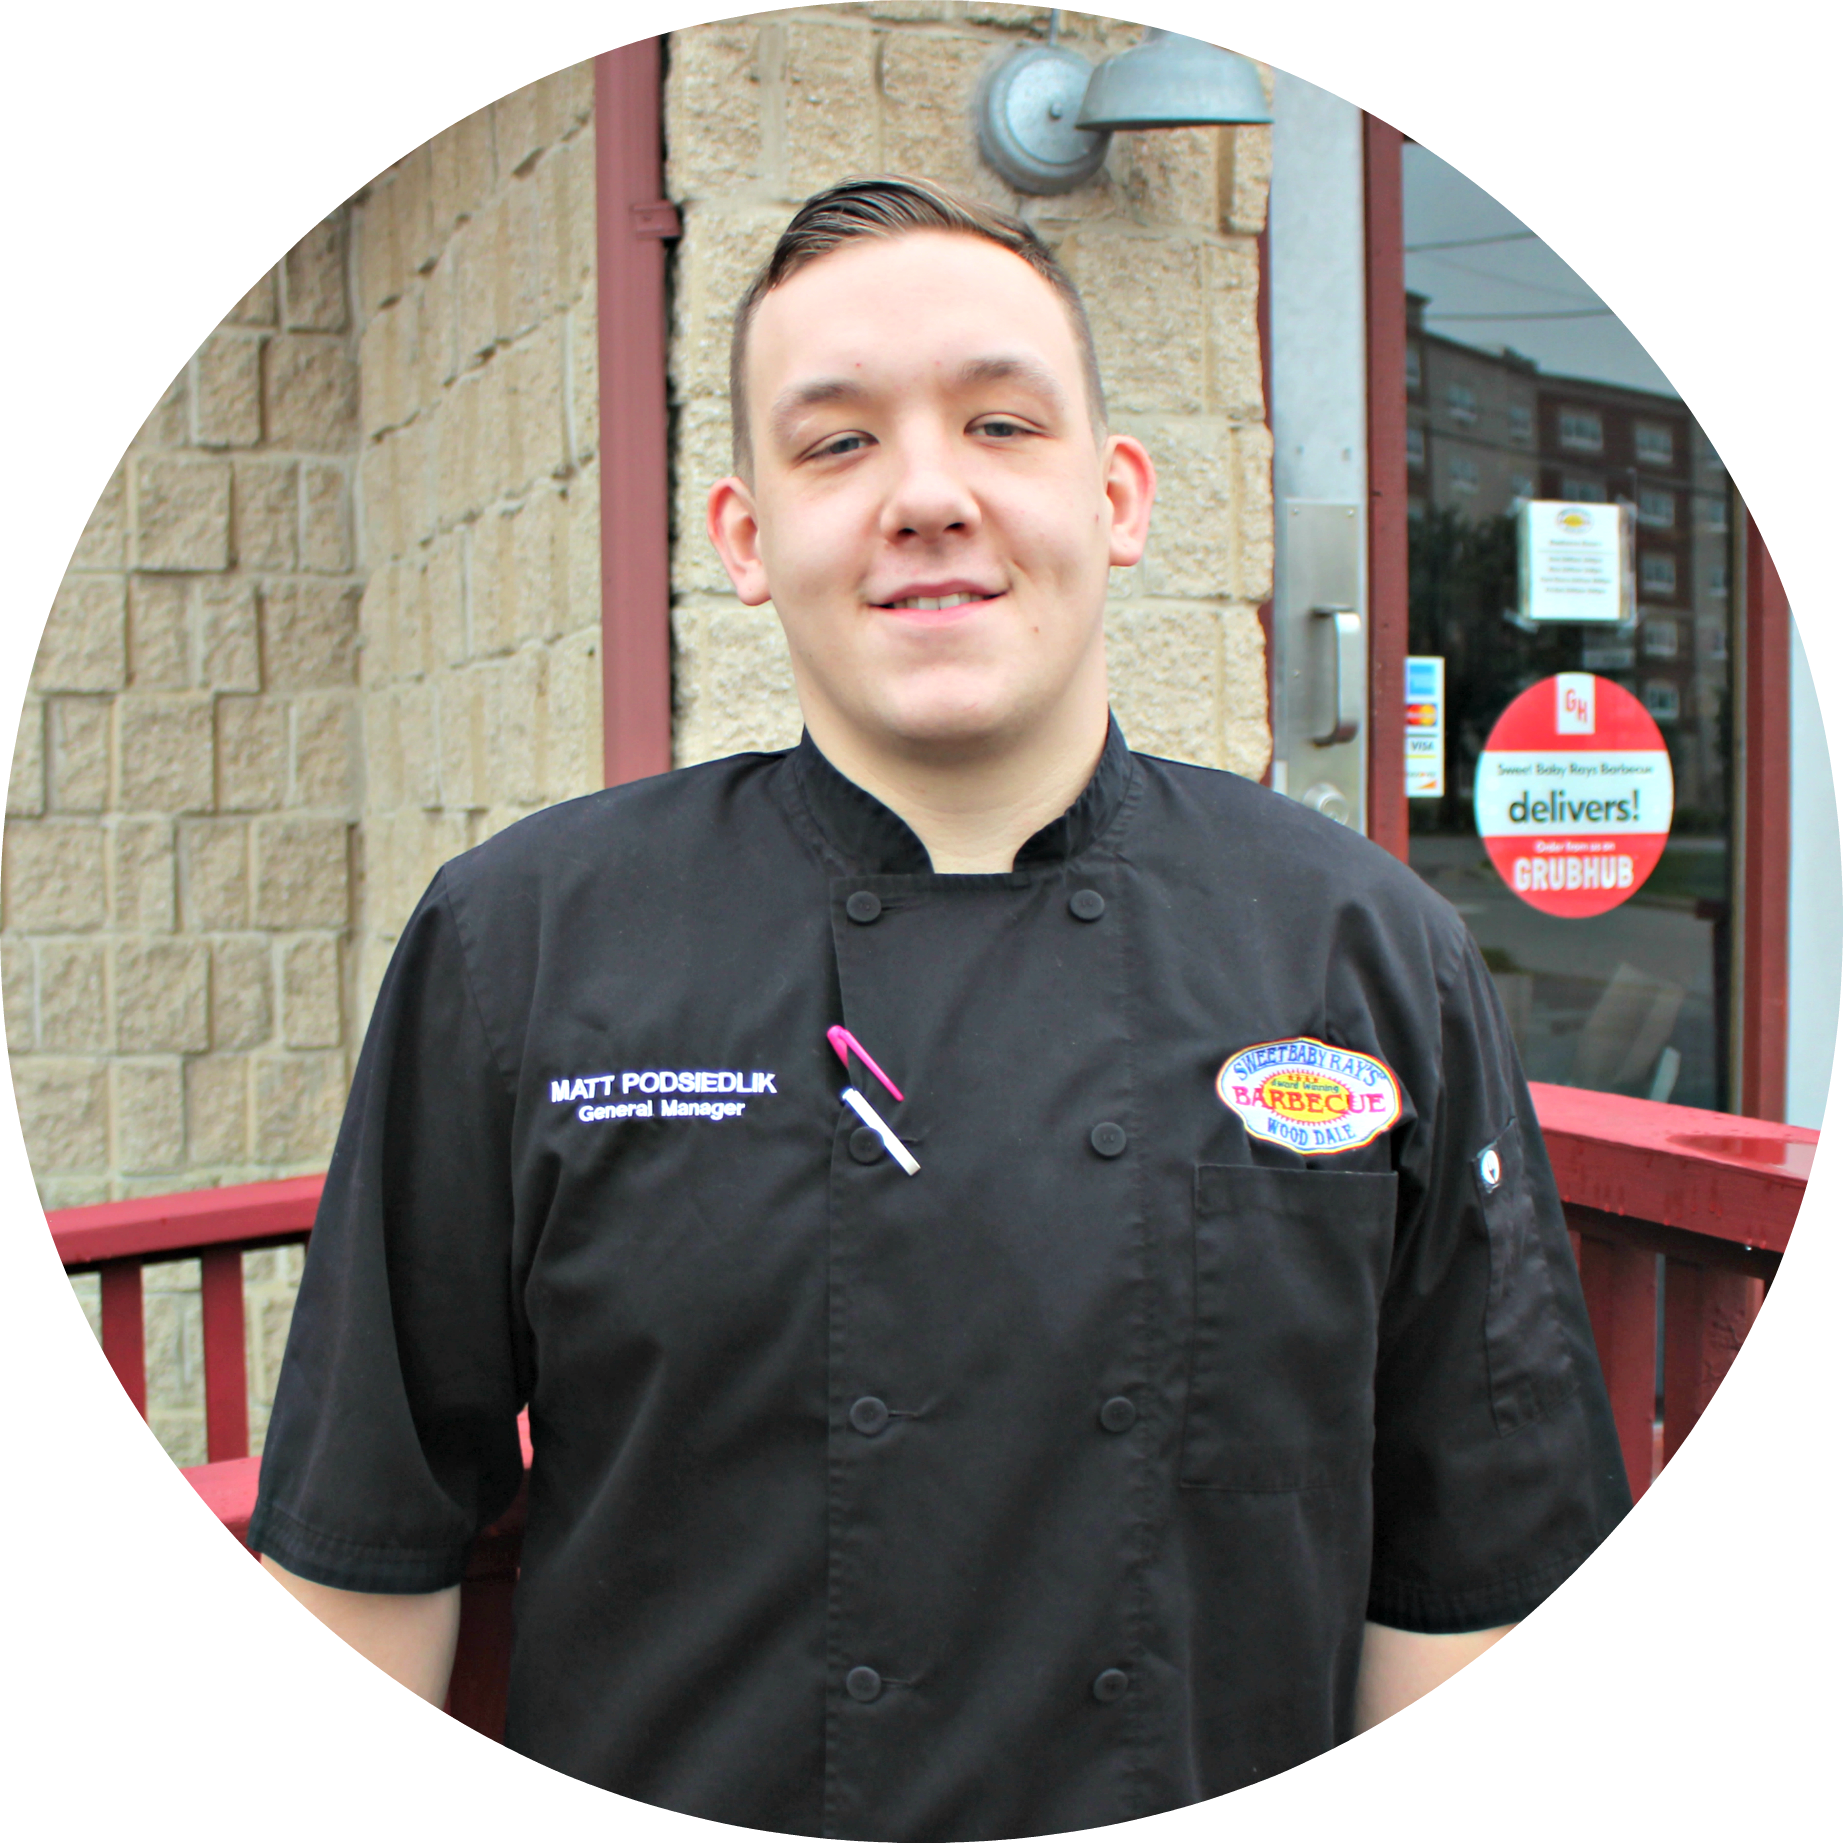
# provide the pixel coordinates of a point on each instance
(730, 518)
(1130, 482)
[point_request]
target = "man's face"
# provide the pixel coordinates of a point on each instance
(933, 511)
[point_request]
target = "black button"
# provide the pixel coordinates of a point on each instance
(866, 1147)
(1087, 905)
(862, 1684)
(1118, 1414)
(868, 1415)
(1108, 1139)
(1109, 1686)
(863, 906)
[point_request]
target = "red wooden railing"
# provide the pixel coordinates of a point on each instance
(1708, 1199)
(218, 1227)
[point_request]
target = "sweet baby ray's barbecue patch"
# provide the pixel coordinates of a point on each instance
(1310, 1095)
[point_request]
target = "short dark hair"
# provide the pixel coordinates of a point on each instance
(892, 205)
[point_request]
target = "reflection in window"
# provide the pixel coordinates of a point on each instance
(1599, 654)
(1414, 367)
(1464, 474)
(1662, 700)
(1718, 579)
(1638, 1000)
(1653, 444)
(1657, 574)
(1581, 429)
(1417, 445)
(1462, 401)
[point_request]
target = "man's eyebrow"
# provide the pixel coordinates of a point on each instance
(799, 397)
(1006, 368)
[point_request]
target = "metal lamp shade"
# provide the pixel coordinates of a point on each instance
(1169, 81)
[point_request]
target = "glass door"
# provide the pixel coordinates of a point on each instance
(1533, 415)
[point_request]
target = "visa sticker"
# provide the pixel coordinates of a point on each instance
(1309, 1095)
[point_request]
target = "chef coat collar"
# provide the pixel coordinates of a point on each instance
(872, 838)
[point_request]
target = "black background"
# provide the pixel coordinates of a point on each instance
(155, 174)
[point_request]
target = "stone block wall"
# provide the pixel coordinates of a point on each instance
(477, 489)
(335, 619)
(761, 112)
(176, 903)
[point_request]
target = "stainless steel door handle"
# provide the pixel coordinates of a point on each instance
(1346, 674)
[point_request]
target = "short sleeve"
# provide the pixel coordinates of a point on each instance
(393, 1440)
(1497, 1467)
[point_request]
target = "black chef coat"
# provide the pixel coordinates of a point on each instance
(1047, 1487)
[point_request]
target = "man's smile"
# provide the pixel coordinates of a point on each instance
(940, 598)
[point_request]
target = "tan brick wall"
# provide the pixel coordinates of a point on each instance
(176, 904)
(764, 110)
(335, 619)
(477, 494)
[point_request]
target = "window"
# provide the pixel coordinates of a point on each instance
(1581, 429)
(1653, 442)
(1522, 423)
(1462, 402)
(1715, 643)
(1580, 488)
(1660, 637)
(1718, 579)
(1417, 445)
(1662, 701)
(1521, 487)
(1463, 473)
(1414, 367)
(1657, 509)
(1715, 514)
(1600, 655)
(1657, 574)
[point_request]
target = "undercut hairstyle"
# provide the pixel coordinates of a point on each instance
(890, 205)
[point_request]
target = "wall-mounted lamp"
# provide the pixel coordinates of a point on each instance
(1046, 115)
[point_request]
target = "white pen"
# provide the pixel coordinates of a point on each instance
(868, 1114)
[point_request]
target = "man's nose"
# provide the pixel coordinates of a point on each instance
(929, 493)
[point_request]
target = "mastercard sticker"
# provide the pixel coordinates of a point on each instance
(1310, 1095)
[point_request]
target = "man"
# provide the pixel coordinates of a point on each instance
(1033, 1270)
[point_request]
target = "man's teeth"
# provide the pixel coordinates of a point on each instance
(931, 602)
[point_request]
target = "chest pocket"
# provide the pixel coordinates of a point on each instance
(1289, 1273)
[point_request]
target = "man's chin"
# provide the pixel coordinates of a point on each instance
(944, 727)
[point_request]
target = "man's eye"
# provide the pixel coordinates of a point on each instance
(1002, 427)
(842, 444)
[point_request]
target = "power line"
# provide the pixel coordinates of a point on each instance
(1505, 281)
(1470, 243)
(1561, 313)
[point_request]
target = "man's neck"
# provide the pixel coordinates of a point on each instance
(973, 811)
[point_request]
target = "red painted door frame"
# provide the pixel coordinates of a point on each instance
(1386, 339)
(1765, 827)
(632, 224)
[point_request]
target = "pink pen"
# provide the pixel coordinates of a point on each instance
(848, 1046)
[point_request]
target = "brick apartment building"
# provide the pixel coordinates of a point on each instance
(1486, 429)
